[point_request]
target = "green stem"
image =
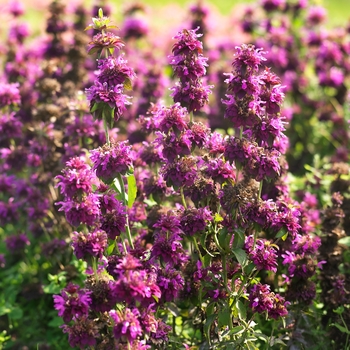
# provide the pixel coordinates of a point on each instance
(191, 117)
(127, 227)
(260, 189)
(183, 197)
(105, 126)
(224, 272)
(199, 252)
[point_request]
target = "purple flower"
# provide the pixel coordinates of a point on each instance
(73, 302)
(89, 244)
(137, 285)
(248, 59)
(263, 254)
(115, 71)
(114, 221)
(110, 160)
(174, 145)
(126, 324)
(195, 220)
(134, 27)
(16, 243)
(192, 95)
(316, 15)
(9, 94)
(86, 211)
(170, 282)
(187, 42)
(174, 117)
(168, 247)
(184, 172)
(10, 127)
(168, 223)
(82, 333)
(77, 178)
(279, 308)
(102, 95)
(220, 171)
(260, 298)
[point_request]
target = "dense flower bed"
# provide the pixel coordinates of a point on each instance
(191, 193)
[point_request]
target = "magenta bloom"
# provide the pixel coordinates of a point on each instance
(82, 333)
(77, 178)
(113, 96)
(9, 94)
(115, 71)
(110, 160)
(263, 255)
(89, 244)
(16, 243)
(73, 302)
(170, 282)
(195, 220)
(126, 324)
(86, 211)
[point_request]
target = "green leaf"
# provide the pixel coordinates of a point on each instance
(239, 239)
(16, 313)
(281, 232)
(117, 185)
(341, 328)
(242, 311)
(339, 310)
(237, 330)
(55, 322)
(345, 241)
(240, 255)
(224, 318)
(208, 324)
(127, 84)
(110, 248)
(218, 217)
(132, 190)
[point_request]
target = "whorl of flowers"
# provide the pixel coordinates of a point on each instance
(189, 66)
(107, 99)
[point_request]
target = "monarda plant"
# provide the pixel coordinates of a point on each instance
(191, 237)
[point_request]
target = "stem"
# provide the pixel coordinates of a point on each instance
(260, 189)
(127, 227)
(191, 117)
(105, 126)
(199, 252)
(183, 197)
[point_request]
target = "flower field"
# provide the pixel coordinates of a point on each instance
(174, 185)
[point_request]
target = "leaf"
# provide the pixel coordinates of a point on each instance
(110, 248)
(281, 232)
(127, 84)
(341, 328)
(242, 311)
(117, 185)
(208, 324)
(241, 256)
(345, 241)
(224, 318)
(55, 322)
(239, 239)
(237, 330)
(132, 190)
(218, 217)
(16, 313)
